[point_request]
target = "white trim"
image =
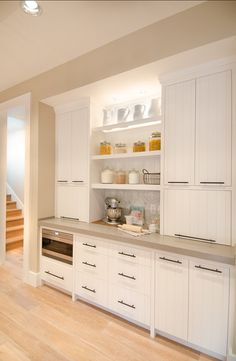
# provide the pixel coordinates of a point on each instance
(15, 197)
(33, 279)
(231, 356)
(4, 107)
(3, 179)
(198, 71)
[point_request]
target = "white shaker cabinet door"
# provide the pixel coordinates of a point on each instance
(208, 306)
(213, 129)
(63, 147)
(198, 214)
(79, 145)
(72, 202)
(171, 301)
(179, 133)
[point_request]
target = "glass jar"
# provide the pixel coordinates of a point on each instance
(105, 148)
(120, 148)
(155, 141)
(120, 177)
(139, 147)
(107, 176)
(134, 177)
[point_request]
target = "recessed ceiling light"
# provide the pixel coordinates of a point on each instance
(31, 7)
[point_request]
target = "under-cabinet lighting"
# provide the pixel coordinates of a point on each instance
(31, 7)
(131, 126)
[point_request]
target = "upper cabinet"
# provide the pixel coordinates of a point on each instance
(179, 133)
(72, 144)
(198, 131)
(213, 129)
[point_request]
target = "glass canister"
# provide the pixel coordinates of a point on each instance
(139, 146)
(120, 177)
(120, 148)
(134, 177)
(107, 176)
(155, 141)
(105, 148)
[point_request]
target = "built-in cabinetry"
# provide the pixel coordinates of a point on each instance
(171, 294)
(192, 301)
(198, 131)
(197, 193)
(72, 163)
(198, 214)
(179, 296)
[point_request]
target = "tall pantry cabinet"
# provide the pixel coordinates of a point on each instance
(197, 157)
(72, 160)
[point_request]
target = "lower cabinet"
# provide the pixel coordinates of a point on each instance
(208, 305)
(171, 295)
(57, 273)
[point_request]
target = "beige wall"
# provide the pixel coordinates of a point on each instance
(208, 22)
(46, 161)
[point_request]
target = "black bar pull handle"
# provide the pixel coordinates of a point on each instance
(194, 238)
(170, 260)
(77, 181)
(127, 254)
(126, 304)
(177, 182)
(62, 181)
(89, 264)
(212, 182)
(89, 289)
(89, 245)
(208, 269)
(52, 274)
(124, 275)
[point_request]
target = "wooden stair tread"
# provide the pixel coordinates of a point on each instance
(10, 202)
(14, 218)
(14, 210)
(14, 239)
(15, 228)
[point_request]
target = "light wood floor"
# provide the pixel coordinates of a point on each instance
(42, 324)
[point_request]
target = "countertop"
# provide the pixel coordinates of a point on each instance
(198, 249)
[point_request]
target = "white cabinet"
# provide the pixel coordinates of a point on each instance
(72, 146)
(179, 133)
(72, 202)
(171, 295)
(213, 129)
(208, 305)
(72, 157)
(56, 273)
(199, 214)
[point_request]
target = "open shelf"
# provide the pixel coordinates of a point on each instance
(127, 155)
(144, 122)
(138, 187)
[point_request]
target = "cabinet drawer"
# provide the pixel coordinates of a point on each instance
(91, 288)
(57, 274)
(93, 263)
(90, 245)
(132, 275)
(129, 304)
(130, 254)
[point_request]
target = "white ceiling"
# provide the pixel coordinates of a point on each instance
(67, 29)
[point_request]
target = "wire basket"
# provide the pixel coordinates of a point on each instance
(150, 178)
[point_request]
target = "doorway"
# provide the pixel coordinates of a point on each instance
(9, 110)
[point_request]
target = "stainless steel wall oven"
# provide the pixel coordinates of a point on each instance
(57, 245)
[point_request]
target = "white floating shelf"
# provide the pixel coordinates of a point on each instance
(127, 155)
(115, 127)
(138, 187)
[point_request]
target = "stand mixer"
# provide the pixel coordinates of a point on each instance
(113, 211)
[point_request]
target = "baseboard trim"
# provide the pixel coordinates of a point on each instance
(231, 357)
(33, 279)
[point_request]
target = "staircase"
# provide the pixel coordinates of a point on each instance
(14, 225)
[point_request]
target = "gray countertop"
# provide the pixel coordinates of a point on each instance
(213, 252)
